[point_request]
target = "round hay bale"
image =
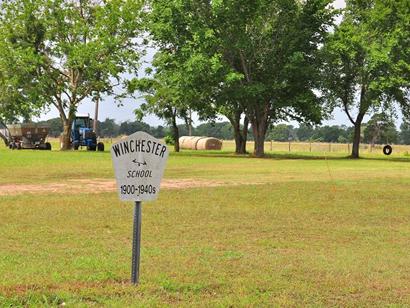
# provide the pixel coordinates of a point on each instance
(209, 143)
(181, 141)
(192, 142)
(184, 142)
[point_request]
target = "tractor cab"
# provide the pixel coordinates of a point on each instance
(82, 134)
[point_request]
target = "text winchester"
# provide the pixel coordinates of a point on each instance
(139, 145)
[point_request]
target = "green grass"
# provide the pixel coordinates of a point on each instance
(314, 232)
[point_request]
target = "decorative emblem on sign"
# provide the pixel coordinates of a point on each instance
(139, 163)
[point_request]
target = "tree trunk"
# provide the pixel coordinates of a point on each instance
(259, 136)
(239, 143)
(240, 135)
(244, 134)
(259, 121)
(67, 123)
(190, 123)
(358, 123)
(356, 136)
(4, 133)
(175, 133)
(65, 137)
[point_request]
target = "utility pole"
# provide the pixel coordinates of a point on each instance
(190, 123)
(95, 124)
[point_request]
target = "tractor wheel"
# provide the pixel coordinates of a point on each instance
(48, 146)
(387, 150)
(11, 146)
(100, 147)
(76, 146)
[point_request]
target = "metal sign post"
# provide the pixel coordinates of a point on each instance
(136, 244)
(139, 163)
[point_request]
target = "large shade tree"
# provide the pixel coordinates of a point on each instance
(163, 100)
(273, 46)
(163, 93)
(18, 95)
(72, 50)
(367, 61)
(257, 59)
(168, 89)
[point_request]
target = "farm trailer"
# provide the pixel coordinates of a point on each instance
(26, 136)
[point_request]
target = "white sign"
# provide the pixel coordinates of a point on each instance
(139, 162)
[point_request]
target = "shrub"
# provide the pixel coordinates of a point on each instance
(169, 140)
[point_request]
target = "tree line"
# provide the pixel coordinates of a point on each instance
(258, 63)
(109, 128)
(375, 131)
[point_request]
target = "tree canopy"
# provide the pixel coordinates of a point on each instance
(61, 51)
(367, 62)
(241, 57)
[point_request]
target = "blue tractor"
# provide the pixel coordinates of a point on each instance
(82, 134)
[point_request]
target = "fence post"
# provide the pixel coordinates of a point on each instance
(348, 148)
(310, 146)
(289, 146)
(330, 147)
(271, 145)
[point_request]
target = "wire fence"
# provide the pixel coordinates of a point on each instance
(291, 147)
(319, 147)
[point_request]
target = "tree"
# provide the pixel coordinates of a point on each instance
(18, 95)
(367, 61)
(330, 133)
(405, 133)
(304, 132)
(108, 128)
(221, 130)
(162, 99)
(158, 131)
(380, 129)
(72, 49)
(56, 127)
(256, 59)
(273, 46)
(128, 128)
(282, 132)
(167, 93)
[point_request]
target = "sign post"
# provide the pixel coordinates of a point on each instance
(139, 162)
(136, 244)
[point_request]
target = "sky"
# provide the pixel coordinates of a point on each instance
(109, 108)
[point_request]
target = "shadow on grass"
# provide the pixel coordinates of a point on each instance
(286, 156)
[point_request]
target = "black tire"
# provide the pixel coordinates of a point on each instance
(91, 148)
(100, 147)
(48, 146)
(76, 146)
(387, 150)
(11, 146)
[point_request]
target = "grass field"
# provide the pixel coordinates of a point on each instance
(299, 229)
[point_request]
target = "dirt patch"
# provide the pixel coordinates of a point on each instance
(102, 185)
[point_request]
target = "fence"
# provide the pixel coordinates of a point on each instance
(318, 147)
(290, 147)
